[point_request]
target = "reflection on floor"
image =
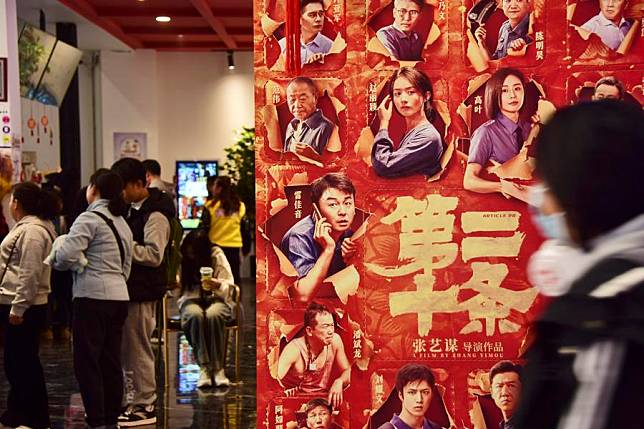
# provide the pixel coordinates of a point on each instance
(182, 405)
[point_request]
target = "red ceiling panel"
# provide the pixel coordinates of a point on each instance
(196, 25)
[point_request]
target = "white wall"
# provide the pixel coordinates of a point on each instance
(189, 104)
(128, 98)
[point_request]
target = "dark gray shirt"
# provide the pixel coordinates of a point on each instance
(402, 46)
(507, 35)
(419, 152)
(316, 131)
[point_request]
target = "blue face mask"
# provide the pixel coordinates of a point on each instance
(552, 226)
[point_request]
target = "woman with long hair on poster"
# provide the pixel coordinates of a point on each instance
(421, 148)
(222, 217)
(502, 136)
(24, 288)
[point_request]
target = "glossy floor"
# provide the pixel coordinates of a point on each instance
(181, 405)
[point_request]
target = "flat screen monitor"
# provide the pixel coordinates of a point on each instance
(192, 191)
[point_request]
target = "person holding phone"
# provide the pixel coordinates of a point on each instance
(320, 244)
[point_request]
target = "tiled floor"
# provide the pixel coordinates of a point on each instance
(181, 405)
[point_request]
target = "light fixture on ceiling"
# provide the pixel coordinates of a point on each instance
(163, 19)
(231, 60)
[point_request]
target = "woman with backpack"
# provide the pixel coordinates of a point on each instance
(24, 288)
(100, 236)
(204, 305)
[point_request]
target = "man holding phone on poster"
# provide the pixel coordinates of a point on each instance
(320, 244)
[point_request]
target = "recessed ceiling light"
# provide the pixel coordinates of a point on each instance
(163, 19)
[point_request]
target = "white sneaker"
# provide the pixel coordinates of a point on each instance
(220, 379)
(205, 378)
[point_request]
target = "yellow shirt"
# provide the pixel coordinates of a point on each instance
(225, 230)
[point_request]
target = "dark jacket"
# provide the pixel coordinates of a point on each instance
(148, 283)
(571, 326)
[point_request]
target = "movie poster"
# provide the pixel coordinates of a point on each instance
(395, 163)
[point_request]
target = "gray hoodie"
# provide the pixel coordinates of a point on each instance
(25, 278)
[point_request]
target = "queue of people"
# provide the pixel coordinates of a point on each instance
(117, 253)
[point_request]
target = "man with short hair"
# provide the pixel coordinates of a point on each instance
(505, 386)
(320, 244)
(153, 175)
(319, 415)
(415, 386)
(399, 38)
(313, 44)
(309, 129)
(513, 33)
(609, 24)
(608, 88)
(306, 363)
(148, 218)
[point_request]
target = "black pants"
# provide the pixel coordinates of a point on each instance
(27, 400)
(232, 254)
(97, 329)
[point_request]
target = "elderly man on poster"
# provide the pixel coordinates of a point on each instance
(306, 363)
(309, 132)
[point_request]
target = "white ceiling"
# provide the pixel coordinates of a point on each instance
(90, 36)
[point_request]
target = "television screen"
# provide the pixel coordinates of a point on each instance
(192, 191)
(47, 65)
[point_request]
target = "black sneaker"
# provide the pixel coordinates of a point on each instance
(138, 415)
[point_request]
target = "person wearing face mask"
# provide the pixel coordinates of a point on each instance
(585, 360)
(309, 129)
(502, 137)
(421, 147)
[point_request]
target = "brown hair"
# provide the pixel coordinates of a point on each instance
(494, 88)
(332, 180)
(420, 81)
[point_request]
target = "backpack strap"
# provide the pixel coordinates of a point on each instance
(606, 302)
(110, 223)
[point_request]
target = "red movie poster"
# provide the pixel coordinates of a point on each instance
(394, 151)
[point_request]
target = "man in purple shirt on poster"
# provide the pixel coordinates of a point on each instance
(399, 38)
(609, 24)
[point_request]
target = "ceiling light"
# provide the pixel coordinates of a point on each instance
(180, 36)
(163, 19)
(231, 60)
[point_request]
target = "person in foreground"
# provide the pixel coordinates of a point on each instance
(415, 386)
(584, 366)
(24, 287)
(102, 236)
